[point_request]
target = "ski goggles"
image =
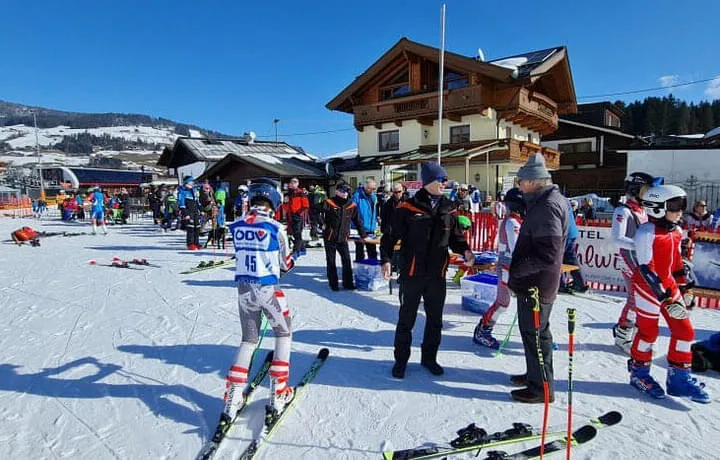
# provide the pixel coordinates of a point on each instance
(676, 204)
(343, 189)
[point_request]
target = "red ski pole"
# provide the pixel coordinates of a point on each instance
(571, 351)
(535, 295)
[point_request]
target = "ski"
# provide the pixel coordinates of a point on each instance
(272, 420)
(593, 296)
(209, 265)
(116, 264)
(143, 262)
(225, 423)
(579, 436)
(475, 438)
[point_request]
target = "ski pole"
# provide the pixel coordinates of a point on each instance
(507, 336)
(535, 296)
(571, 351)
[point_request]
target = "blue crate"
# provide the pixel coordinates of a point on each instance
(475, 305)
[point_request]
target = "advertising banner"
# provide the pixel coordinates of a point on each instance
(599, 260)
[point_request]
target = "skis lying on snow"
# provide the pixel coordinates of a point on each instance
(207, 265)
(474, 438)
(136, 261)
(226, 422)
(579, 436)
(272, 418)
(116, 263)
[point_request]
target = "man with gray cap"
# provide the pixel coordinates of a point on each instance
(537, 263)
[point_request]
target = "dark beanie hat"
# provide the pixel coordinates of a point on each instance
(534, 169)
(430, 171)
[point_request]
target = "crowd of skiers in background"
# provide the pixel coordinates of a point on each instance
(77, 205)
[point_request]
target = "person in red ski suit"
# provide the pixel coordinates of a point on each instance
(626, 220)
(662, 288)
(508, 232)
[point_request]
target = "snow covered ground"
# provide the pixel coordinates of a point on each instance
(19, 136)
(98, 362)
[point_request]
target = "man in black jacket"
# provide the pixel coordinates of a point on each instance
(426, 225)
(388, 208)
(537, 263)
(338, 213)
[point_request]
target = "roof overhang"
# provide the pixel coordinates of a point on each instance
(343, 103)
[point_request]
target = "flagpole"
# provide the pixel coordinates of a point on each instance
(441, 80)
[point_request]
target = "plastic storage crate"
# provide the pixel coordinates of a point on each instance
(368, 275)
(478, 292)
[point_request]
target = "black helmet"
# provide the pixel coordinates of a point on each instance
(636, 181)
(514, 201)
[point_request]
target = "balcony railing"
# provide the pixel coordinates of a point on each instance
(463, 100)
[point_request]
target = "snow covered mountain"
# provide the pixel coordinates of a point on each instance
(73, 138)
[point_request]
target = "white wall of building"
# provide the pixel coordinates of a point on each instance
(412, 134)
(193, 169)
(556, 144)
(676, 166)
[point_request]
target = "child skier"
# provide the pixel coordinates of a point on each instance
(508, 234)
(97, 200)
(626, 220)
(262, 253)
(662, 288)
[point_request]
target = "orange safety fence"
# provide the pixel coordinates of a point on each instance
(16, 207)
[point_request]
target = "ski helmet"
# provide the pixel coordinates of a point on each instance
(464, 222)
(514, 201)
(660, 199)
(242, 188)
(266, 191)
(635, 182)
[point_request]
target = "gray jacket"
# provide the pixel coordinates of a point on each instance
(538, 255)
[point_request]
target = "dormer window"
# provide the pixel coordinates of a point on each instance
(611, 119)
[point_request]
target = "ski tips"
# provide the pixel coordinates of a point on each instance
(584, 434)
(323, 353)
(611, 418)
(92, 262)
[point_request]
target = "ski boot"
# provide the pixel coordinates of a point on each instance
(471, 435)
(234, 398)
(204, 264)
(623, 337)
(483, 336)
(641, 379)
(680, 383)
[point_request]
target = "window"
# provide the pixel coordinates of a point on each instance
(455, 80)
(353, 182)
(398, 86)
(388, 141)
(611, 119)
(575, 147)
(459, 134)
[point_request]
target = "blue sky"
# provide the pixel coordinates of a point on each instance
(234, 66)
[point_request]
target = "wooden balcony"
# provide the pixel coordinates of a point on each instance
(521, 151)
(529, 109)
(423, 107)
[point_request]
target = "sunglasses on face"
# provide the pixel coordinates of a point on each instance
(442, 179)
(397, 191)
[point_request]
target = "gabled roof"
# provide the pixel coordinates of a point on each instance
(188, 150)
(452, 60)
(550, 64)
(275, 166)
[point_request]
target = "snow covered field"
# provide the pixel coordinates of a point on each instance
(98, 362)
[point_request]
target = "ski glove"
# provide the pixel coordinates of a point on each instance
(688, 296)
(677, 310)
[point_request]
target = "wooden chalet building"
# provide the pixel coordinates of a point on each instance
(591, 144)
(235, 161)
(494, 113)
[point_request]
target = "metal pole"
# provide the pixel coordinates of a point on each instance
(276, 121)
(37, 152)
(441, 85)
(487, 171)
